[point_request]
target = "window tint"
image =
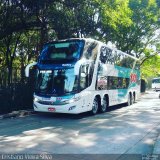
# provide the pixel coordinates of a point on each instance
(127, 62)
(106, 55)
(90, 76)
(111, 83)
(61, 52)
(116, 57)
(118, 83)
(137, 66)
(86, 75)
(90, 50)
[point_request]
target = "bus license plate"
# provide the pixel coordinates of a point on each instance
(51, 109)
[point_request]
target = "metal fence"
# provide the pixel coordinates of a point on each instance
(16, 96)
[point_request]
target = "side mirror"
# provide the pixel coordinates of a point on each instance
(28, 67)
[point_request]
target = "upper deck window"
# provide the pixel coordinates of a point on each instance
(116, 57)
(90, 50)
(62, 52)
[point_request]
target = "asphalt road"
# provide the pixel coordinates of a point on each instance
(122, 130)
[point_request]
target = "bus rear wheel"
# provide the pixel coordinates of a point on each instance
(134, 97)
(130, 100)
(95, 106)
(104, 105)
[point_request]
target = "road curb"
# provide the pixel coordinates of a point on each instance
(20, 113)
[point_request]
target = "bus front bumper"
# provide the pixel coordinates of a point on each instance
(73, 108)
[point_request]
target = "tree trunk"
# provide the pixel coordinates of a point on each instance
(22, 70)
(10, 75)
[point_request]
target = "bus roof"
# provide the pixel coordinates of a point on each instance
(93, 40)
(71, 39)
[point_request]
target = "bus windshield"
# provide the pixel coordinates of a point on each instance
(156, 80)
(56, 82)
(61, 52)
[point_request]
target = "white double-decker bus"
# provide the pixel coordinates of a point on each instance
(156, 84)
(80, 75)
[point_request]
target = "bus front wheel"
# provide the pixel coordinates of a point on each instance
(95, 106)
(130, 100)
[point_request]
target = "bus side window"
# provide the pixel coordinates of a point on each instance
(127, 62)
(127, 82)
(107, 56)
(118, 58)
(112, 56)
(84, 76)
(120, 83)
(90, 72)
(137, 65)
(112, 82)
(103, 55)
(91, 50)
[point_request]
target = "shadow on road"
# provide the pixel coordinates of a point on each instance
(121, 129)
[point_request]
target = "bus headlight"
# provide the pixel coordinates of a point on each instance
(74, 99)
(35, 99)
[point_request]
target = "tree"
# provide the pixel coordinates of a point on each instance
(136, 37)
(151, 67)
(28, 51)
(26, 25)
(9, 48)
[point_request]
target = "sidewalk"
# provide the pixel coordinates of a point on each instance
(20, 113)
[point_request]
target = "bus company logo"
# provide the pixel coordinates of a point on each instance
(58, 98)
(67, 65)
(133, 78)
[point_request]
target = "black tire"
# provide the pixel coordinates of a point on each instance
(95, 106)
(130, 100)
(134, 98)
(104, 105)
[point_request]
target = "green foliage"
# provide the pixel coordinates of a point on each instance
(141, 32)
(26, 25)
(115, 13)
(151, 67)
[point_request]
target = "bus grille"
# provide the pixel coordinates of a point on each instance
(45, 102)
